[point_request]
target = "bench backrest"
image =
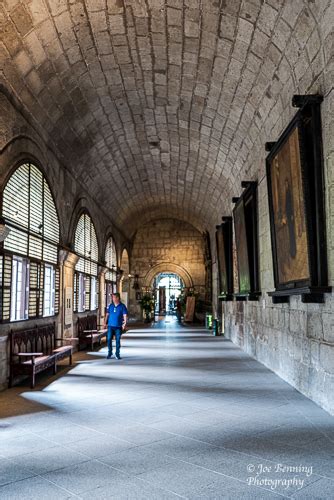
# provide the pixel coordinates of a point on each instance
(87, 323)
(37, 339)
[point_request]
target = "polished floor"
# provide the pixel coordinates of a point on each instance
(182, 415)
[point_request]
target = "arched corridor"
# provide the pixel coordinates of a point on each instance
(141, 139)
(184, 414)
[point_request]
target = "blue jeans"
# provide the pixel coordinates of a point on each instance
(117, 331)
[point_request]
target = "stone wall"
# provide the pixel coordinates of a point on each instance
(295, 340)
(167, 245)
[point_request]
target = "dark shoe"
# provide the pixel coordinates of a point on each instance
(110, 356)
(118, 357)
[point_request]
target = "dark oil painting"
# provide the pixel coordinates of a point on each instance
(288, 212)
(223, 289)
(242, 251)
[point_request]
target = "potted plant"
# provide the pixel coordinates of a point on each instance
(147, 305)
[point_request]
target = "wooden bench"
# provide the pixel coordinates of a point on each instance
(88, 332)
(34, 350)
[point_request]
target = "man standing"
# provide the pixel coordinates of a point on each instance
(116, 318)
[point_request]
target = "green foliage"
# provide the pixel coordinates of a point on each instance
(147, 302)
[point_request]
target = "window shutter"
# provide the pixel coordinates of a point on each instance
(50, 217)
(110, 258)
(7, 280)
(41, 290)
(79, 243)
(86, 246)
(1, 285)
(36, 213)
(57, 290)
(34, 270)
(15, 207)
(93, 246)
(35, 247)
(36, 200)
(87, 293)
(17, 241)
(50, 252)
(75, 292)
(29, 209)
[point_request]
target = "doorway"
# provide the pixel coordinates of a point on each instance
(168, 287)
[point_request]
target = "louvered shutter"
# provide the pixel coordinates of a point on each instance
(93, 247)
(41, 290)
(75, 292)
(1, 284)
(17, 241)
(29, 209)
(50, 227)
(85, 245)
(97, 293)
(15, 207)
(79, 243)
(87, 293)
(57, 290)
(110, 258)
(7, 280)
(34, 275)
(36, 213)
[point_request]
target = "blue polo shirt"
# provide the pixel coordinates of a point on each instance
(116, 313)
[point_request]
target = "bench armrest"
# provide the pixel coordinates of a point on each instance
(31, 355)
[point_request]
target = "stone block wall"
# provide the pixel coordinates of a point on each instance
(295, 340)
(167, 245)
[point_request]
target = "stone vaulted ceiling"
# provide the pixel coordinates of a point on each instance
(152, 104)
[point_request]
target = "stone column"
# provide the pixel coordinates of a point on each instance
(67, 260)
(102, 296)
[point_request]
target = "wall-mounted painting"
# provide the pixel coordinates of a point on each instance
(241, 245)
(294, 176)
(224, 234)
(246, 240)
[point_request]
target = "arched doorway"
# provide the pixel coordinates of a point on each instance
(168, 287)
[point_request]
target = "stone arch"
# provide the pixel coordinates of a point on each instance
(170, 268)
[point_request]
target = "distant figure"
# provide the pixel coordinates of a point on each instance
(178, 310)
(116, 319)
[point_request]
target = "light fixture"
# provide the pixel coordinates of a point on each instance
(4, 230)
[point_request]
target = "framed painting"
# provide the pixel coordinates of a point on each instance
(224, 247)
(296, 206)
(246, 241)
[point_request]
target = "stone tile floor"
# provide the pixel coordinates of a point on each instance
(182, 415)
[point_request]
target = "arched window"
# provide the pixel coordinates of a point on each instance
(85, 278)
(29, 271)
(111, 264)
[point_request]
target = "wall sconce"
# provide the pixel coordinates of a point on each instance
(4, 230)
